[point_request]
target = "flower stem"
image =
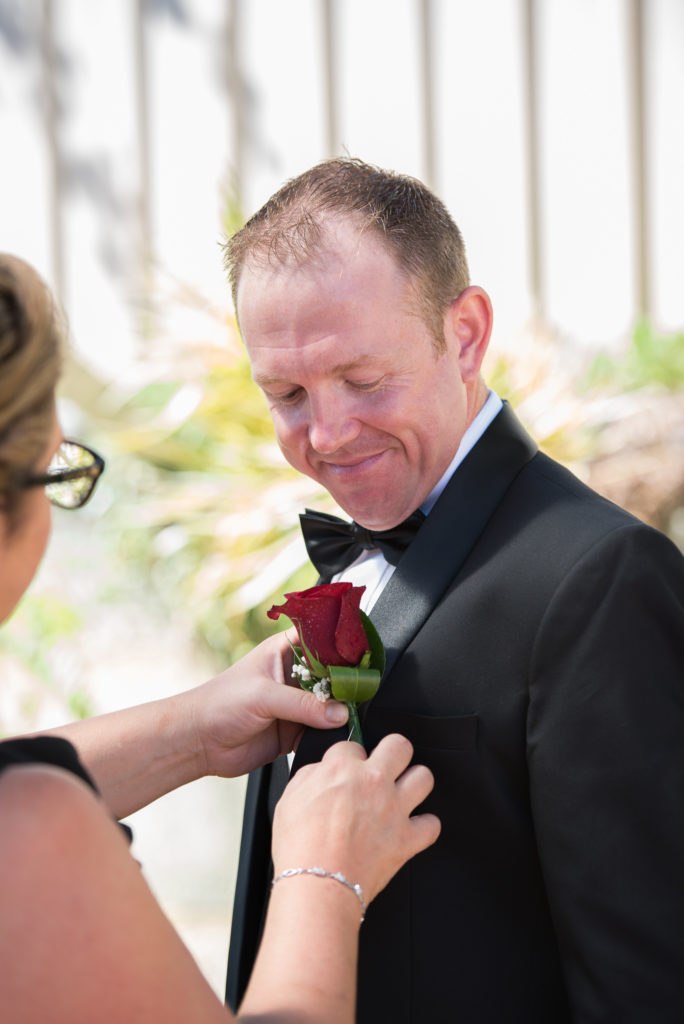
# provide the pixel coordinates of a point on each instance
(354, 723)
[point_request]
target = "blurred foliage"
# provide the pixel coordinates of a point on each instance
(204, 504)
(651, 359)
(540, 382)
(52, 620)
(616, 420)
(47, 617)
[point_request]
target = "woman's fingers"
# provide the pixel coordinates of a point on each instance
(290, 705)
(392, 755)
(392, 758)
(423, 832)
(343, 750)
(416, 783)
(353, 811)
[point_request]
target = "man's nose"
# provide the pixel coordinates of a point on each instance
(332, 425)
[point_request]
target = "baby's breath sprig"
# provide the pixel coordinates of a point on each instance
(320, 687)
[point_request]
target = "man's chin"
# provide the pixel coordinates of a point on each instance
(370, 518)
(368, 505)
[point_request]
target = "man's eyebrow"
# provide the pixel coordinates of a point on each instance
(263, 379)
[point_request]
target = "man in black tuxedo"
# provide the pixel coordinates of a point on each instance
(534, 632)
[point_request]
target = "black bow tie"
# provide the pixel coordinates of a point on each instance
(333, 543)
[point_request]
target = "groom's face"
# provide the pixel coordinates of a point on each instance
(360, 399)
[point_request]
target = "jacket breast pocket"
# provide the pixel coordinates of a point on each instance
(426, 732)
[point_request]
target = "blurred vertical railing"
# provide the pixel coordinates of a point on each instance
(529, 56)
(425, 15)
(636, 19)
(51, 119)
(142, 124)
(330, 77)
(637, 76)
(235, 88)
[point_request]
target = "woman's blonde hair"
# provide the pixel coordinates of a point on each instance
(31, 332)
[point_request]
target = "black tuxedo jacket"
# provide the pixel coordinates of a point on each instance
(535, 642)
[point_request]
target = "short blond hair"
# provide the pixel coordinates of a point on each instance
(411, 222)
(31, 333)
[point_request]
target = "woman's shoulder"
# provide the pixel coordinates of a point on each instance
(58, 850)
(44, 813)
(42, 778)
(78, 915)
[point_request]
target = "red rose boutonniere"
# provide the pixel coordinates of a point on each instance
(340, 653)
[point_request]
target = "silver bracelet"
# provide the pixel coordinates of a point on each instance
(337, 876)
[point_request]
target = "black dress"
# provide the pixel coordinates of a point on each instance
(48, 750)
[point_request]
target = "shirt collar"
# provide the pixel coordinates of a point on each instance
(489, 410)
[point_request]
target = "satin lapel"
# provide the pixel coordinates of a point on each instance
(440, 548)
(450, 532)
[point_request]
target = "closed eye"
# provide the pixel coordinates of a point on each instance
(288, 398)
(371, 385)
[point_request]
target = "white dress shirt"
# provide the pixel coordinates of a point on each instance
(371, 569)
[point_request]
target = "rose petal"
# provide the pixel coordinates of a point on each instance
(316, 620)
(350, 636)
(328, 621)
(322, 590)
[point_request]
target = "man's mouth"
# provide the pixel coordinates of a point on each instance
(356, 464)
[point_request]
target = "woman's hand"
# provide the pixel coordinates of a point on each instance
(240, 719)
(248, 715)
(352, 813)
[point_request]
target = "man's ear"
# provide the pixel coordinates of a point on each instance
(468, 327)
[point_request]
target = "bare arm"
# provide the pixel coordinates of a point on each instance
(82, 937)
(237, 721)
(78, 916)
(337, 800)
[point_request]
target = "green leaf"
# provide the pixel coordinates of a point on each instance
(314, 663)
(377, 659)
(353, 684)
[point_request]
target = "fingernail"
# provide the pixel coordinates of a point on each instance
(336, 712)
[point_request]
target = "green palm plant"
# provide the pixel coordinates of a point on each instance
(206, 505)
